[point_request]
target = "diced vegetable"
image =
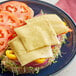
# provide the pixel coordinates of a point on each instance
(10, 54)
(42, 60)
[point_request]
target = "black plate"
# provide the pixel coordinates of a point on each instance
(68, 50)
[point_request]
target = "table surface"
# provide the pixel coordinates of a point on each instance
(70, 69)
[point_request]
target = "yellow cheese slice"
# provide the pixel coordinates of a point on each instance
(44, 52)
(25, 57)
(52, 37)
(18, 48)
(53, 20)
(32, 37)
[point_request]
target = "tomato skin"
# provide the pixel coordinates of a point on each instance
(3, 43)
(3, 38)
(3, 32)
(5, 35)
(10, 32)
(9, 19)
(9, 22)
(19, 9)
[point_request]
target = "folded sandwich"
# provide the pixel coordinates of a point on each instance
(25, 57)
(40, 36)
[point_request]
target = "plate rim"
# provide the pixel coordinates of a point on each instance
(51, 5)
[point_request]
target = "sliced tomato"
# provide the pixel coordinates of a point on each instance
(9, 22)
(3, 43)
(3, 38)
(9, 19)
(10, 32)
(3, 32)
(19, 9)
(13, 35)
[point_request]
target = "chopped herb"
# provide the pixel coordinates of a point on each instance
(2, 57)
(65, 37)
(54, 62)
(14, 35)
(16, 70)
(9, 63)
(37, 70)
(31, 68)
(64, 42)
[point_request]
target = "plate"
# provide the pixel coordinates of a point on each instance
(68, 49)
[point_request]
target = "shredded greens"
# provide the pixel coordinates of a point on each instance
(31, 68)
(54, 61)
(37, 70)
(64, 37)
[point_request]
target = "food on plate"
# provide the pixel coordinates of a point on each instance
(19, 9)
(29, 44)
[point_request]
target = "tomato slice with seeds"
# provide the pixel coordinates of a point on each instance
(3, 38)
(9, 19)
(3, 32)
(3, 43)
(19, 9)
(6, 34)
(10, 32)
